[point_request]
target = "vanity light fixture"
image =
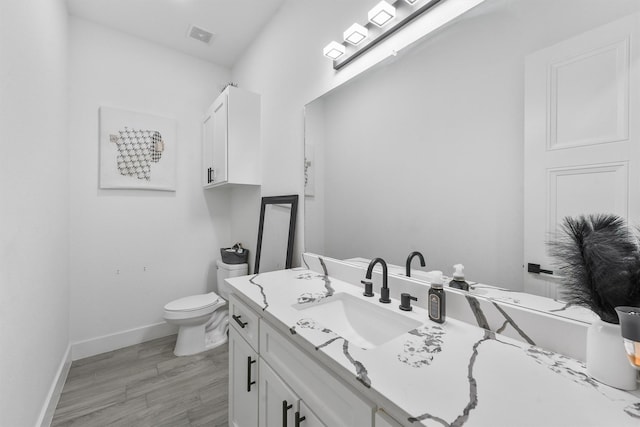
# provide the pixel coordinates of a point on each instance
(385, 19)
(382, 14)
(355, 34)
(333, 50)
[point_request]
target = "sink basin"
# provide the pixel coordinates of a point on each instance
(364, 324)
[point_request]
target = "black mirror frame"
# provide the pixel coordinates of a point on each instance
(278, 200)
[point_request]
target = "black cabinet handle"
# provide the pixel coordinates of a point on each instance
(209, 176)
(240, 322)
(249, 382)
(299, 419)
(285, 408)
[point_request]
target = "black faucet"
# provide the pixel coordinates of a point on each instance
(410, 258)
(384, 292)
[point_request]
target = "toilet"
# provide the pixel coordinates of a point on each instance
(203, 319)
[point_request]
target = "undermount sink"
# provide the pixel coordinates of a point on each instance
(364, 324)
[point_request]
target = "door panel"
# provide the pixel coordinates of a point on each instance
(589, 97)
(207, 147)
(220, 127)
(243, 395)
(581, 136)
(576, 190)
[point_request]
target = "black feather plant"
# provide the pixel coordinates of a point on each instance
(599, 258)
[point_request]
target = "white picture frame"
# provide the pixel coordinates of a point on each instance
(137, 150)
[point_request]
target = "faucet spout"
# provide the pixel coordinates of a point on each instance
(384, 292)
(410, 258)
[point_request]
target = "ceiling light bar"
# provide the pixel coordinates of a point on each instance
(404, 12)
(382, 14)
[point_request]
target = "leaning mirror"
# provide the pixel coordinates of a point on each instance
(276, 233)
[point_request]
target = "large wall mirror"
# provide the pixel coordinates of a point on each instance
(427, 151)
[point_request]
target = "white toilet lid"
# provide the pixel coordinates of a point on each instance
(193, 302)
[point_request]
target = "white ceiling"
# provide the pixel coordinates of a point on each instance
(235, 23)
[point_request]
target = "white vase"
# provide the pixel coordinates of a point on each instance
(606, 359)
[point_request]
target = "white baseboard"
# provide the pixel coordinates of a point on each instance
(82, 349)
(105, 343)
(49, 407)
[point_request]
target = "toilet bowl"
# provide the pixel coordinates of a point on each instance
(203, 319)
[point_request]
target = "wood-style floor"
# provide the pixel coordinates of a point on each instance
(146, 385)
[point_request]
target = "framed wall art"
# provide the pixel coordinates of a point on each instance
(137, 150)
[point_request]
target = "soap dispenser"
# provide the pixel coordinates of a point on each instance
(437, 300)
(458, 281)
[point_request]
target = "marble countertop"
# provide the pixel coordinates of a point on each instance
(452, 374)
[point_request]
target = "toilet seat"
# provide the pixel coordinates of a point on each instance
(193, 306)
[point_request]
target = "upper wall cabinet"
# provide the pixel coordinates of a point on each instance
(231, 139)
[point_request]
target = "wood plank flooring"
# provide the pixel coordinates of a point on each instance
(146, 385)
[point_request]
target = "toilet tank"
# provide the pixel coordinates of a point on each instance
(227, 271)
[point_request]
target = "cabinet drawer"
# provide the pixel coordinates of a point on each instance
(331, 400)
(244, 320)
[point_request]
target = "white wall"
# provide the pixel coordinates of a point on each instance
(286, 67)
(464, 78)
(34, 196)
(133, 251)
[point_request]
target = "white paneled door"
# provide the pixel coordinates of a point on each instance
(582, 145)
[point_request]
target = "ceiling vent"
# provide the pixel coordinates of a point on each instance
(200, 34)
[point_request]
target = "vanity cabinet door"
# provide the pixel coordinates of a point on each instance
(219, 139)
(306, 418)
(278, 403)
(243, 382)
(214, 143)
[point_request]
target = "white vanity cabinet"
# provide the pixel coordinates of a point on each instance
(231, 139)
(291, 389)
(332, 401)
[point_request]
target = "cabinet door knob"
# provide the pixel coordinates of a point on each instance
(285, 409)
(249, 382)
(299, 419)
(240, 322)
